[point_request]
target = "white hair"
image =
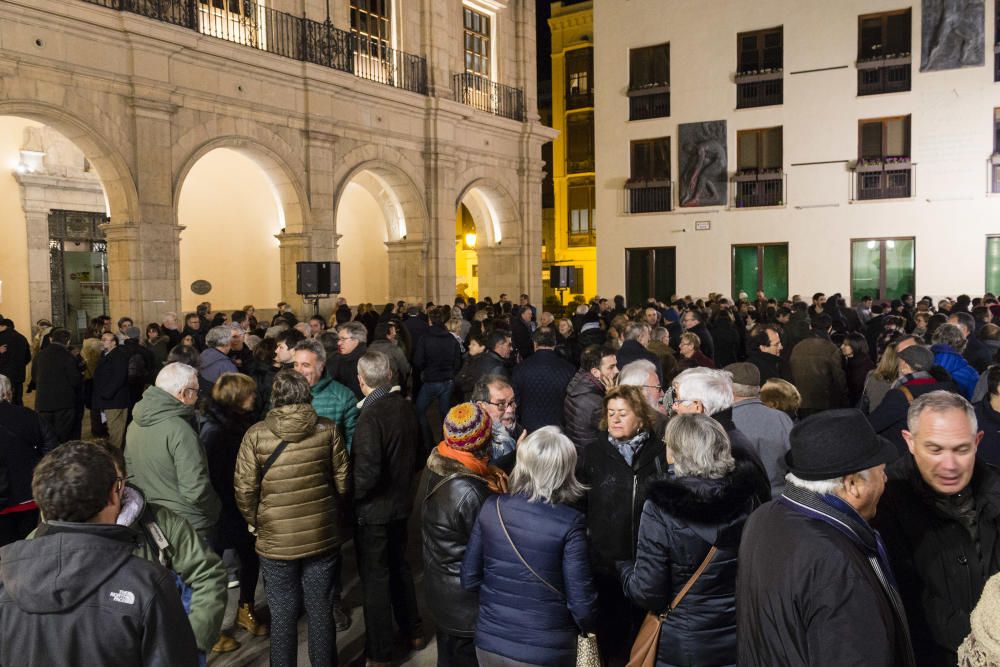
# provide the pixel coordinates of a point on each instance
(219, 336)
(714, 388)
(636, 373)
(175, 377)
(545, 468)
(823, 487)
(375, 369)
(700, 446)
(6, 390)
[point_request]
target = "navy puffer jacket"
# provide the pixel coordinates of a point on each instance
(520, 617)
(681, 520)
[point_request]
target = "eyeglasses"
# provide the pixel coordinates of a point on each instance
(653, 386)
(191, 389)
(343, 339)
(503, 405)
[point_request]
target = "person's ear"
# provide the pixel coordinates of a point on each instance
(911, 442)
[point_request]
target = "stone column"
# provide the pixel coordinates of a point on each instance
(321, 223)
(294, 247)
(408, 270)
(440, 233)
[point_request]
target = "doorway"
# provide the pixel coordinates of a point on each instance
(78, 264)
(650, 272)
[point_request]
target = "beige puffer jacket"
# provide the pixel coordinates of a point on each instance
(303, 499)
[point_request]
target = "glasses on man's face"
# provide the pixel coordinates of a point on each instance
(503, 405)
(657, 387)
(343, 339)
(191, 390)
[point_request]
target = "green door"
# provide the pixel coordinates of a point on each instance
(883, 269)
(993, 264)
(761, 267)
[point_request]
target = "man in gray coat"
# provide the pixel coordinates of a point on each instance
(767, 429)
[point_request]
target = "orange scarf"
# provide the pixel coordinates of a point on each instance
(495, 478)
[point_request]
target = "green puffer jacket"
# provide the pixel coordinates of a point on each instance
(167, 462)
(304, 496)
(338, 404)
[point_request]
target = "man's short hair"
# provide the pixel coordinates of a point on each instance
(60, 336)
(290, 337)
(818, 295)
(123, 320)
(174, 378)
(635, 330)
(481, 391)
(314, 346)
(939, 401)
(184, 354)
(950, 335)
(497, 336)
(593, 355)
(822, 322)
(375, 369)
(965, 319)
(714, 388)
(218, 337)
(355, 330)
(696, 314)
(238, 317)
(73, 482)
(544, 337)
(759, 337)
(659, 333)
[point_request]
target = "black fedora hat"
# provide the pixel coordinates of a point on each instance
(835, 443)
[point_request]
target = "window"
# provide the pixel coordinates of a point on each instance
(761, 267)
(650, 272)
(477, 43)
(993, 264)
(759, 50)
(579, 78)
(996, 43)
(884, 138)
(580, 142)
(232, 20)
(884, 53)
(883, 169)
(882, 268)
(582, 203)
(649, 82)
(371, 21)
(649, 188)
(995, 159)
(759, 180)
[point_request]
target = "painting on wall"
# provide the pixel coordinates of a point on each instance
(702, 162)
(952, 34)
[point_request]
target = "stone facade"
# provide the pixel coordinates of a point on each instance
(144, 100)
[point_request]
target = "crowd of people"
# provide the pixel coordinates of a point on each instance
(693, 482)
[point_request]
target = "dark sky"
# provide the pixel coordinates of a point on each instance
(544, 40)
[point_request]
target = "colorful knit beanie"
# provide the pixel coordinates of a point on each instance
(467, 428)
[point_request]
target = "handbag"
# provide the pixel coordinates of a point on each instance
(587, 654)
(647, 642)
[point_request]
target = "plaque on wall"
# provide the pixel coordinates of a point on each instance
(201, 287)
(702, 160)
(952, 34)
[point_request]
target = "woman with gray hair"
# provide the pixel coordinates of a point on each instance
(527, 556)
(689, 536)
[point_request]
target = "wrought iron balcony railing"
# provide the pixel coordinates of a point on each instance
(480, 93)
(579, 100)
(759, 89)
(893, 179)
(758, 188)
(884, 75)
(286, 35)
(648, 196)
(650, 102)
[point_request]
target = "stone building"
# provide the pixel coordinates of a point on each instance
(355, 135)
(794, 147)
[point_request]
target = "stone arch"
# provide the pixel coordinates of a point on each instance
(115, 175)
(493, 209)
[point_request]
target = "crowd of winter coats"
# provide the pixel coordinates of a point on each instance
(531, 535)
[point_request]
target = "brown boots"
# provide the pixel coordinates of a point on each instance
(246, 619)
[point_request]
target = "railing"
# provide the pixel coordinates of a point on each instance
(286, 35)
(579, 100)
(889, 180)
(648, 196)
(752, 189)
(884, 75)
(995, 174)
(759, 90)
(577, 240)
(646, 103)
(580, 166)
(480, 93)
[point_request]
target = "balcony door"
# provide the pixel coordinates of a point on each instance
(883, 269)
(650, 272)
(761, 267)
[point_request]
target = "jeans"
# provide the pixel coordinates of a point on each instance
(387, 585)
(429, 392)
(290, 585)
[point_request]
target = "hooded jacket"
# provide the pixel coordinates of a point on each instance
(213, 363)
(297, 508)
(167, 462)
(78, 595)
(961, 372)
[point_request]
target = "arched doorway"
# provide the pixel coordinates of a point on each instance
(466, 257)
(486, 208)
(231, 213)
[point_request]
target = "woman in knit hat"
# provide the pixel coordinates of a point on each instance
(457, 482)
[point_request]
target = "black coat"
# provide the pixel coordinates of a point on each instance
(437, 356)
(592, 336)
(632, 350)
(617, 493)
(24, 438)
(727, 342)
(492, 364)
(989, 424)
(807, 595)
(707, 343)
(452, 497)
(384, 457)
(344, 369)
(682, 519)
(582, 409)
(977, 353)
(540, 388)
(768, 364)
(58, 379)
(468, 375)
(17, 356)
(111, 380)
(935, 559)
(889, 418)
(520, 336)
(856, 370)
(221, 433)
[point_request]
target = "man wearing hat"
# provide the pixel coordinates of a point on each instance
(457, 482)
(915, 379)
(815, 586)
(766, 429)
(941, 522)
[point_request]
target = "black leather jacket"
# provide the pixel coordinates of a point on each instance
(452, 496)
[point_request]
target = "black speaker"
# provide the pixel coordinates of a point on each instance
(562, 277)
(317, 277)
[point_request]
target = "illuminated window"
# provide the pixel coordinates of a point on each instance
(477, 43)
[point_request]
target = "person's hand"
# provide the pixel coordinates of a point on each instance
(607, 382)
(524, 434)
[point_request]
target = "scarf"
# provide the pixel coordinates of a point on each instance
(495, 478)
(909, 377)
(629, 448)
(503, 442)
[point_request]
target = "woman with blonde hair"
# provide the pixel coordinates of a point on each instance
(781, 395)
(880, 380)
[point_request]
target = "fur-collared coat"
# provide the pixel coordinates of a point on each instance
(681, 520)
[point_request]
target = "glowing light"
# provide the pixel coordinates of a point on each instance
(470, 240)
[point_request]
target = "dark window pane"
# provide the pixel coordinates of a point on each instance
(871, 140)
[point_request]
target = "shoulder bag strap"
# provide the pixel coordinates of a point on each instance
(272, 458)
(521, 558)
(907, 393)
(441, 483)
(694, 577)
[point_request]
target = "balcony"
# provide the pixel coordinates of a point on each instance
(758, 187)
(286, 35)
(759, 89)
(649, 102)
(480, 93)
(579, 99)
(582, 239)
(884, 75)
(648, 196)
(891, 178)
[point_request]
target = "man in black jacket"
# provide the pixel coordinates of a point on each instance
(636, 338)
(352, 343)
(438, 357)
(941, 524)
(540, 383)
(520, 331)
(58, 380)
(78, 594)
(764, 351)
(496, 359)
(15, 353)
(814, 585)
(111, 391)
(385, 447)
(584, 402)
